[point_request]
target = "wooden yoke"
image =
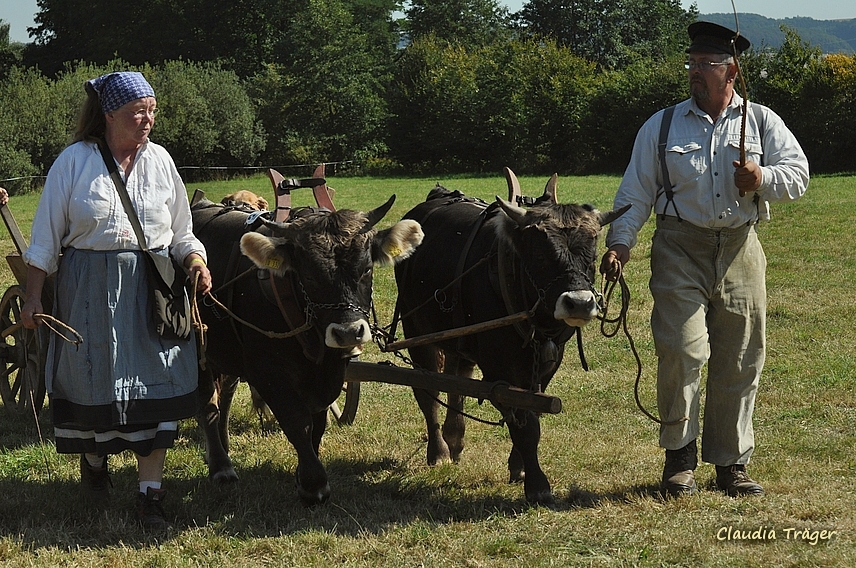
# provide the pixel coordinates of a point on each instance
(323, 194)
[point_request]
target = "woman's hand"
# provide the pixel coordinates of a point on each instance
(195, 265)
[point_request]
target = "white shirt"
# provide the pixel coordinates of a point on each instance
(699, 155)
(80, 207)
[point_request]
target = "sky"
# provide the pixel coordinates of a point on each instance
(19, 13)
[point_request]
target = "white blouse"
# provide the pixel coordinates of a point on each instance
(80, 207)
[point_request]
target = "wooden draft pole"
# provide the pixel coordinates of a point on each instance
(500, 393)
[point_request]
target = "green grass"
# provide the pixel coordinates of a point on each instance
(389, 509)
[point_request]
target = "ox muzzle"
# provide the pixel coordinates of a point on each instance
(576, 308)
(349, 337)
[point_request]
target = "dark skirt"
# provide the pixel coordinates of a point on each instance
(124, 387)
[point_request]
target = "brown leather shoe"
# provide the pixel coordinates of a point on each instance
(734, 480)
(678, 478)
(150, 510)
(95, 480)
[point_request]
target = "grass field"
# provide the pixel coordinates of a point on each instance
(389, 509)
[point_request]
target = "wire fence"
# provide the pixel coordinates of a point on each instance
(194, 174)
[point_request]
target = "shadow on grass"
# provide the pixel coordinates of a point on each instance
(368, 497)
(579, 498)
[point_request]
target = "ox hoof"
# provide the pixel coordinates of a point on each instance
(542, 498)
(313, 498)
(438, 452)
(516, 476)
(224, 476)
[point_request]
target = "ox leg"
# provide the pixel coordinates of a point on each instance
(516, 474)
(432, 359)
(319, 426)
(228, 387)
(455, 425)
(525, 429)
(214, 427)
(303, 430)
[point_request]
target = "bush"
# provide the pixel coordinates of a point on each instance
(35, 127)
(207, 118)
(323, 100)
(511, 104)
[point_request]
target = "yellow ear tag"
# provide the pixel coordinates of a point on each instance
(393, 251)
(273, 262)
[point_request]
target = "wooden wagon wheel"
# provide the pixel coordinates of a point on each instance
(22, 384)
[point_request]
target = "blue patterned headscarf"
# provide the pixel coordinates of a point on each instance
(120, 88)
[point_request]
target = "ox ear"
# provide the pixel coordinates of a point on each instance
(610, 216)
(516, 213)
(551, 189)
(393, 245)
(263, 252)
(377, 214)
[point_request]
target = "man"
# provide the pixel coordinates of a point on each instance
(707, 265)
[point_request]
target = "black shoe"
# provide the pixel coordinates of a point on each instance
(678, 478)
(734, 480)
(150, 511)
(95, 480)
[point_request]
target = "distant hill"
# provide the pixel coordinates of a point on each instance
(832, 36)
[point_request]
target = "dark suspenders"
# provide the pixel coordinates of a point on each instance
(665, 124)
(661, 152)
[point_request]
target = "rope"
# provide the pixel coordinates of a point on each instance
(200, 327)
(78, 339)
(41, 438)
(271, 334)
(620, 322)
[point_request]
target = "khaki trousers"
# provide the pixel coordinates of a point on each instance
(709, 307)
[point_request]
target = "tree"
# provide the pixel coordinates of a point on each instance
(323, 99)
(468, 22)
(240, 34)
(611, 33)
(514, 103)
(9, 54)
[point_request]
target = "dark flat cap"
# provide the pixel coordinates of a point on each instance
(708, 37)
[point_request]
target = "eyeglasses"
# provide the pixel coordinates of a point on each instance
(143, 113)
(704, 65)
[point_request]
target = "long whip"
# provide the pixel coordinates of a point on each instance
(743, 91)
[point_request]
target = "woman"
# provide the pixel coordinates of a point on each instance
(125, 387)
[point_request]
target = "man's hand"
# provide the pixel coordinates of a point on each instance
(747, 177)
(613, 262)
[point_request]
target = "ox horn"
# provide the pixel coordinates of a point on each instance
(277, 228)
(550, 190)
(516, 213)
(610, 216)
(375, 215)
(513, 185)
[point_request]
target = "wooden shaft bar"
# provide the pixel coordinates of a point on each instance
(505, 395)
(14, 231)
(457, 332)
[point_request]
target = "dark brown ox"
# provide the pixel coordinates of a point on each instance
(480, 263)
(325, 260)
